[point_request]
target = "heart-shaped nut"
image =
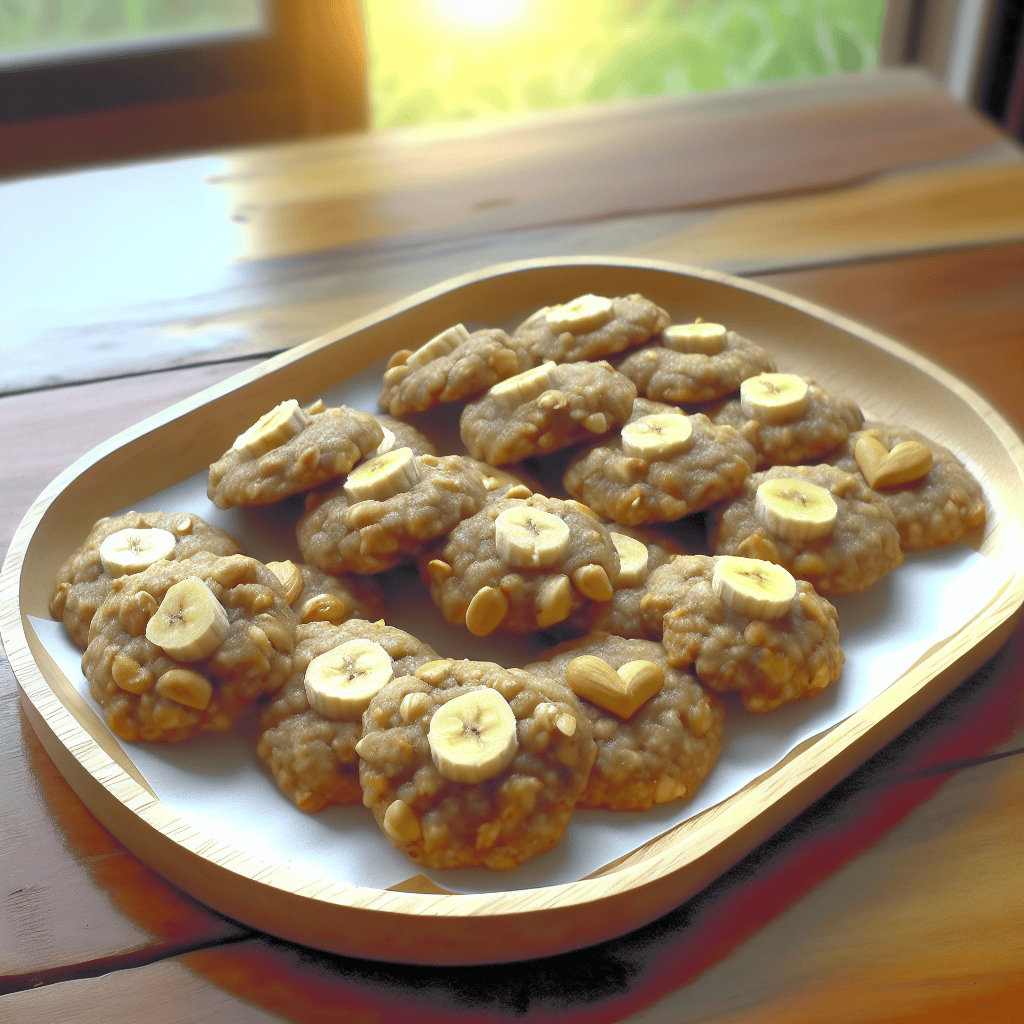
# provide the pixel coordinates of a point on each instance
(622, 692)
(908, 461)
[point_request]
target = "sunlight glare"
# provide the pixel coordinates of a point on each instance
(481, 12)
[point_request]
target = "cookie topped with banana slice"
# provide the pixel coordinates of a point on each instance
(399, 434)
(658, 732)
(589, 327)
(521, 565)
(310, 728)
(696, 362)
(386, 509)
(544, 410)
(289, 450)
(466, 763)
(825, 526)
(121, 545)
(317, 597)
(932, 494)
(661, 467)
(182, 647)
(789, 419)
(747, 626)
(453, 366)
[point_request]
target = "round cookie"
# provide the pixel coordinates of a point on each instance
(500, 821)
(149, 693)
(317, 597)
(339, 535)
(824, 424)
(545, 409)
(311, 756)
(665, 749)
(83, 583)
(931, 510)
(589, 327)
(559, 556)
(668, 375)
(639, 555)
(453, 366)
(633, 489)
(318, 445)
(861, 547)
(768, 662)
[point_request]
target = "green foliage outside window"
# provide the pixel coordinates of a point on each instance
(431, 61)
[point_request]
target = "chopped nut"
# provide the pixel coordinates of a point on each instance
(401, 823)
(186, 687)
(486, 611)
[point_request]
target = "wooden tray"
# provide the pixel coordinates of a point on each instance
(890, 380)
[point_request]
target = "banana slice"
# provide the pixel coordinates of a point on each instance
(190, 622)
(774, 398)
(632, 560)
(750, 586)
(388, 443)
(472, 737)
(340, 683)
(271, 430)
(659, 436)
(795, 509)
(698, 338)
(383, 476)
(531, 538)
(130, 551)
(586, 313)
(526, 386)
(442, 345)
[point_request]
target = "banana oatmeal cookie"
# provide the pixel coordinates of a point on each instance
(812, 426)
(589, 327)
(399, 434)
(768, 661)
(449, 368)
(545, 409)
(521, 565)
(661, 467)
(312, 755)
(850, 546)
(467, 763)
(317, 597)
(384, 520)
(932, 494)
(661, 752)
(83, 582)
(667, 374)
(290, 450)
(182, 647)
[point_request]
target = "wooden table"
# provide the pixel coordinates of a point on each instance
(896, 896)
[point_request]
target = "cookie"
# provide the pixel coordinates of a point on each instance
(767, 661)
(83, 582)
(860, 546)
(661, 752)
(520, 565)
(810, 424)
(317, 597)
(661, 467)
(933, 507)
(667, 374)
(291, 450)
(544, 410)
(589, 327)
(418, 499)
(182, 647)
(455, 365)
(399, 434)
(312, 755)
(506, 802)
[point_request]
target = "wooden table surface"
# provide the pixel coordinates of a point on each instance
(898, 895)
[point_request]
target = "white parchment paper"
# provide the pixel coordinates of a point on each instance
(216, 783)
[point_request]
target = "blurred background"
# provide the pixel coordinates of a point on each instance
(89, 81)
